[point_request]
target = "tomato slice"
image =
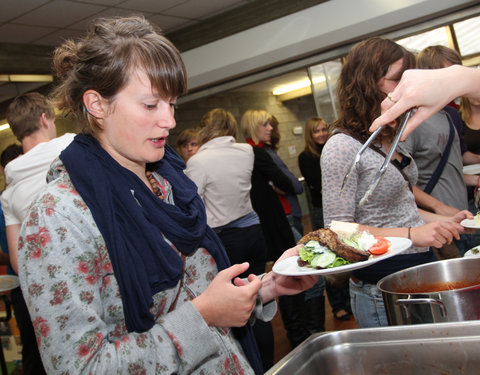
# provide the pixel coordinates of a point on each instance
(381, 247)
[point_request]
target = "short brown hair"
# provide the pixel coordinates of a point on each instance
(104, 59)
(437, 57)
(25, 111)
(216, 123)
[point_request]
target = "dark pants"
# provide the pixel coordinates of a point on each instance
(31, 361)
(245, 245)
(248, 245)
(338, 297)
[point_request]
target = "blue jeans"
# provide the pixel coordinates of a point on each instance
(367, 304)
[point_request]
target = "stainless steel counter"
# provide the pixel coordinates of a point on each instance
(441, 348)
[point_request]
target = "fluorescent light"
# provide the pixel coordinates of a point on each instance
(26, 78)
(4, 127)
(297, 85)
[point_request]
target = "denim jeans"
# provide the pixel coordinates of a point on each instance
(367, 305)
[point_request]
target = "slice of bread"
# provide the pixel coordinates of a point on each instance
(344, 229)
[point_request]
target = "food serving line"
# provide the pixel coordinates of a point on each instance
(433, 311)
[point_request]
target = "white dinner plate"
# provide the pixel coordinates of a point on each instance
(290, 267)
(8, 282)
(473, 252)
(471, 169)
(470, 223)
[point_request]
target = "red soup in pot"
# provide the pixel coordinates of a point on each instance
(436, 287)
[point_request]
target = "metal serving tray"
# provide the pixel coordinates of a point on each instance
(440, 348)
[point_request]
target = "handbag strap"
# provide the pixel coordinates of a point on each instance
(441, 165)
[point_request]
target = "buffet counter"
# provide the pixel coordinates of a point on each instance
(439, 348)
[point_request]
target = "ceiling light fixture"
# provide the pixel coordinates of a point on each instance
(26, 78)
(297, 85)
(4, 127)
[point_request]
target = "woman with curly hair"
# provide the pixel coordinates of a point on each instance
(372, 70)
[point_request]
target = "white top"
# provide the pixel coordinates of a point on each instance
(26, 175)
(222, 170)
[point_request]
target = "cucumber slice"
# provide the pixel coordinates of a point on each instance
(323, 260)
(350, 243)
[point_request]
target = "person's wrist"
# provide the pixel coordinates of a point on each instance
(267, 291)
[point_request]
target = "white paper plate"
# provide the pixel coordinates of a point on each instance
(290, 267)
(470, 223)
(8, 282)
(471, 169)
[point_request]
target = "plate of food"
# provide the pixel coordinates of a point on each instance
(8, 282)
(471, 169)
(340, 248)
(471, 223)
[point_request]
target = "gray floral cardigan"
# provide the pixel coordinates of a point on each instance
(75, 306)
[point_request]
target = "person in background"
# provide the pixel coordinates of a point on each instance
(8, 154)
(120, 270)
(371, 72)
(438, 57)
(425, 91)
(222, 171)
(313, 313)
(267, 180)
(295, 215)
(316, 134)
(187, 144)
(470, 111)
(439, 152)
(32, 120)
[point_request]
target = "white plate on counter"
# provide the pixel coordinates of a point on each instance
(290, 267)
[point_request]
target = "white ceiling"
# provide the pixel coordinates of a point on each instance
(48, 22)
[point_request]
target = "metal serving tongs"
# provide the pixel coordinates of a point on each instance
(383, 168)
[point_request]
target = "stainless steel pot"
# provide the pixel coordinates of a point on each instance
(416, 295)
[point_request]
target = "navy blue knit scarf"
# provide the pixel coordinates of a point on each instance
(132, 220)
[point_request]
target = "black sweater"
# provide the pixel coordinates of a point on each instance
(310, 168)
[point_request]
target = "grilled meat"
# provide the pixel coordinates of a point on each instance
(327, 237)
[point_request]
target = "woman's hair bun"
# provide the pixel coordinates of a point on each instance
(64, 58)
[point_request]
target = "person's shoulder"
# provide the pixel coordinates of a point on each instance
(340, 139)
(63, 140)
(59, 194)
